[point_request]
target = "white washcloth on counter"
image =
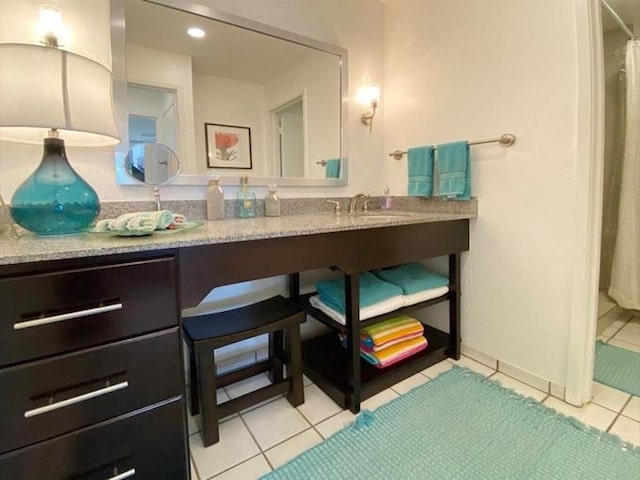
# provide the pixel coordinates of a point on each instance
(137, 222)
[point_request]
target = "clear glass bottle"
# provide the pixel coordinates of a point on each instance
(215, 199)
(245, 200)
(272, 202)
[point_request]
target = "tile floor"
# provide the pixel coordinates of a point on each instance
(267, 436)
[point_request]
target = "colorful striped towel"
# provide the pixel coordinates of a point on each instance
(390, 332)
(390, 355)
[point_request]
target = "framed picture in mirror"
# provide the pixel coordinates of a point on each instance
(228, 146)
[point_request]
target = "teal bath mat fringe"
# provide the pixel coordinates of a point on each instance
(463, 426)
(618, 368)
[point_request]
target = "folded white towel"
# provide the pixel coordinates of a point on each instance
(379, 308)
(424, 295)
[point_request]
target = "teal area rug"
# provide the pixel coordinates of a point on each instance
(462, 426)
(618, 368)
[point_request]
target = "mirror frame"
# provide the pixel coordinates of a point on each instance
(118, 65)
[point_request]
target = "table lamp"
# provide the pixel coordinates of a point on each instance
(52, 95)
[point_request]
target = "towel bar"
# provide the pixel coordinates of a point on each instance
(505, 140)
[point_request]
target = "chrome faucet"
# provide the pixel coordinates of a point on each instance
(353, 203)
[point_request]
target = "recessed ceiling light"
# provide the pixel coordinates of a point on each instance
(196, 32)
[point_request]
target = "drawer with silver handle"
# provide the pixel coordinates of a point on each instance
(146, 444)
(45, 398)
(53, 312)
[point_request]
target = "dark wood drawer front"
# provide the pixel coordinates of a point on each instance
(50, 313)
(46, 398)
(151, 443)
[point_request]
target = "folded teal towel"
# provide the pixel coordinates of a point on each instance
(420, 165)
(454, 170)
(137, 222)
(332, 168)
(372, 291)
(412, 278)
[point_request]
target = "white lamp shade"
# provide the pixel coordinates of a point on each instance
(46, 88)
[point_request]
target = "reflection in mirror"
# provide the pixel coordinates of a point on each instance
(153, 164)
(287, 91)
(152, 116)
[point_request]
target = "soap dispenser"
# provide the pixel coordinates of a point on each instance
(245, 200)
(215, 199)
(387, 200)
(272, 202)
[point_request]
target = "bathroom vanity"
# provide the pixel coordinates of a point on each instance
(90, 349)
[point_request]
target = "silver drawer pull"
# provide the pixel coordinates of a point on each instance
(127, 474)
(67, 316)
(74, 400)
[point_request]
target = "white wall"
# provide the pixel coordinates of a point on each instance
(474, 70)
(315, 78)
(356, 25)
(216, 101)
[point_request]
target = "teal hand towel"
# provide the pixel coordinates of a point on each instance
(420, 165)
(332, 168)
(454, 170)
(372, 291)
(412, 277)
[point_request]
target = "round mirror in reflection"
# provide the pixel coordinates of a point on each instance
(152, 164)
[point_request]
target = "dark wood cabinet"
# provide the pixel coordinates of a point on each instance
(91, 376)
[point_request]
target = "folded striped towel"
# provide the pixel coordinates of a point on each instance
(137, 222)
(386, 333)
(372, 290)
(412, 278)
(395, 353)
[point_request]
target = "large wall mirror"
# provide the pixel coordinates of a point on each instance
(245, 99)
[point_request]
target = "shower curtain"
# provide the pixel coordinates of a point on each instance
(625, 270)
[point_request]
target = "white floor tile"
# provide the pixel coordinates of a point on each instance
(235, 446)
(247, 385)
(519, 387)
(317, 405)
(625, 345)
(410, 383)
(378, 400)
(627, 429)
(248, 470)
(434, 370)
(335, 423)
(306, 381)
(282, 453)
(274, 422)
(524, 376)
(604, 304)
(632, 410)
(608, 397)
(473, 365)
(630, 333)
(194, 474)
(591, 414)
(615, 319)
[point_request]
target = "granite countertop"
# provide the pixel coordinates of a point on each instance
(33, 248)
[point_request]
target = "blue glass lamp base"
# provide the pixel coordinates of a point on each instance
(54, 200)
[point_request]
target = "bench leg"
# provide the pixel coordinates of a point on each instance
(294, 370)
(194, 405)
(207, 386)
(276, 344)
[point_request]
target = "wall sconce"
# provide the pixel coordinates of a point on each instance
(369, 97)
(48, 94)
